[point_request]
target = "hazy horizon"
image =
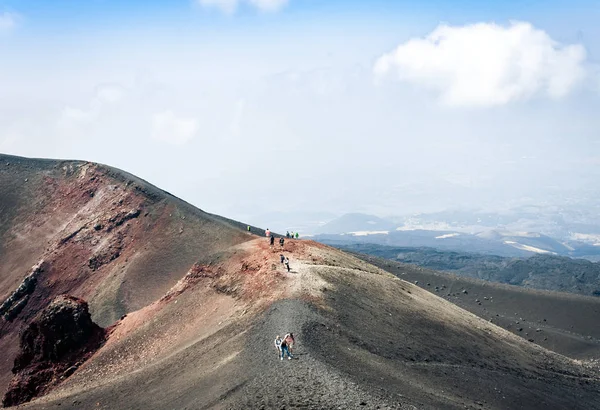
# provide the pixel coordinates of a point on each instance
(246, 108)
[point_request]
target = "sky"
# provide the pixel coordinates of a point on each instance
(248, 108)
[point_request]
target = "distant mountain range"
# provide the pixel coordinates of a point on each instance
(541, 271)
(489, 235)
(356, 223)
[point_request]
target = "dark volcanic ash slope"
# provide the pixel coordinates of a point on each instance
(562, 322)
(78, 228)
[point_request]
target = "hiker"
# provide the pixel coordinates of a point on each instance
(287, 263)
(248, 228)
(282, 258)
(285, 349)
(292, 235)
(281, 240)
(290, 342)
(267, 233)
(278, 345)
(287, 234)
(272, 240)
(297, 235)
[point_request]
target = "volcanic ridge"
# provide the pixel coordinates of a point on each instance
(116, 294)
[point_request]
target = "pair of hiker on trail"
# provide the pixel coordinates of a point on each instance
(286, 261)
(285, 346)
(272, 239)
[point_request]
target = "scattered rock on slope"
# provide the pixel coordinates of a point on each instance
(13, 305)
(54, 344)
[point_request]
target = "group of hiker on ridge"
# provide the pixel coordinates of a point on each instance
(289, 235)
(285, 346)
(284, 259)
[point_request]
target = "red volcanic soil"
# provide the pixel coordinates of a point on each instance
(96, 233)
(191, 304)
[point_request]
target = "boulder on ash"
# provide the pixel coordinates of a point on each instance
(56, 342)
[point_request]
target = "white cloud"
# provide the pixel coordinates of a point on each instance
(8, 21)
(110, 93)
(105, 95)
(8, 141)
(486, 64)
(238, 115)
(268, 5)
(167, 127)
(71, 115)
(230, 6)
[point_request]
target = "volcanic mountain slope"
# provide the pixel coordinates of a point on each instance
(96, 233)
(562, 322)
(196, 330)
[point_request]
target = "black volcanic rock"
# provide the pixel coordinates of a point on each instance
(57, 340)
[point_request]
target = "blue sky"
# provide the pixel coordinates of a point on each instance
(92, 15)
(384, 107)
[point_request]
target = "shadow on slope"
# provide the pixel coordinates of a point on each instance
(562, 322)
(390, 335)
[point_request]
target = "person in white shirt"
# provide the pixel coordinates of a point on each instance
(278, 345)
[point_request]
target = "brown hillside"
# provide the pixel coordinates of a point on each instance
(95, 233)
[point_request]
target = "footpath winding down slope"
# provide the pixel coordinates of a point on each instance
(192, 304)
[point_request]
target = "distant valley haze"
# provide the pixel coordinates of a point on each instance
(292, 113)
